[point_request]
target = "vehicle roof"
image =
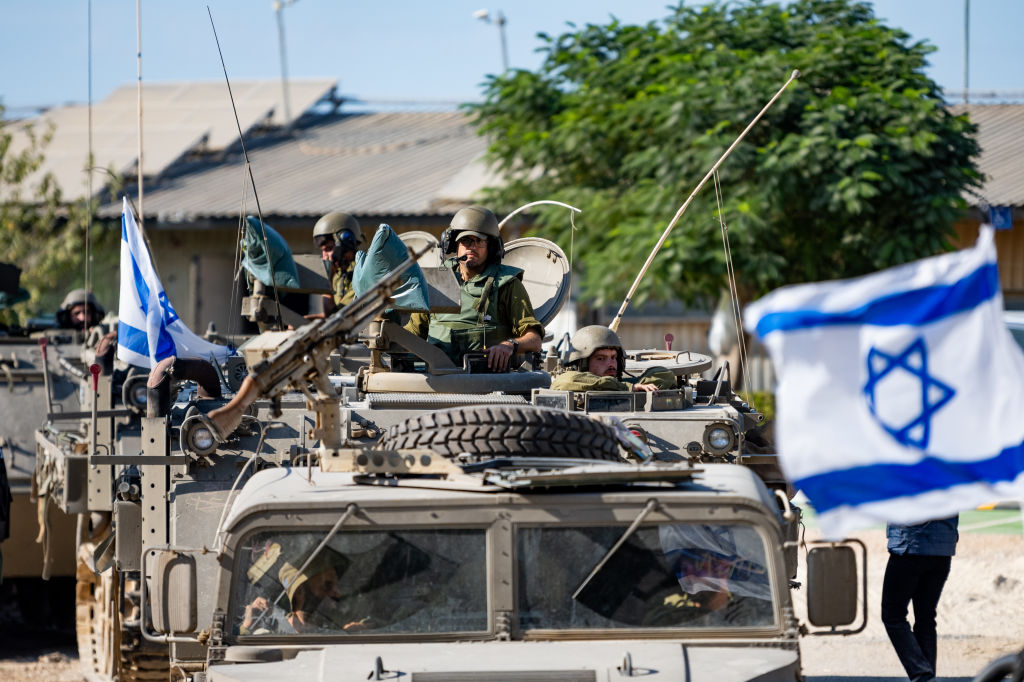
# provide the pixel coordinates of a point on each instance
(289, 488)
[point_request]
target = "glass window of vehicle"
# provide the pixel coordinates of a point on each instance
(361, 582)
(666, 576)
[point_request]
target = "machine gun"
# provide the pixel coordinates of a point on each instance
(294, 359)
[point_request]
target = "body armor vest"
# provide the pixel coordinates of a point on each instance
(477, 326)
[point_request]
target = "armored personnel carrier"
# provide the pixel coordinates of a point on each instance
(41, 369)
(425, 520)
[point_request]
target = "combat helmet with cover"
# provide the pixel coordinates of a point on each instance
(477, 221)
(79, 297)
(588, 340)
(335, 224)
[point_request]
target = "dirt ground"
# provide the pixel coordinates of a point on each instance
(979, 620)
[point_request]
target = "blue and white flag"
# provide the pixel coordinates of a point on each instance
(148, 329)
(900, 393)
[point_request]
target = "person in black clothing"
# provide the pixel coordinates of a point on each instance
(919, 559)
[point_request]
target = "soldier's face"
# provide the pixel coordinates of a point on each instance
(604, 362)
(474, 249)
(79, 314)
(325, 584)
(326, 246)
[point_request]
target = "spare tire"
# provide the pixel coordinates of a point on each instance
(506, 431)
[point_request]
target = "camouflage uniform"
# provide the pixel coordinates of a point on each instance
(341, 285)
(574, 380)
(587, 341)
(507, 313)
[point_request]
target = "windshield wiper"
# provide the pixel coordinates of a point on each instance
(651, 505)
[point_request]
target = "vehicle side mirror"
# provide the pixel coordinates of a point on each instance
(174, 592)
(834, 585)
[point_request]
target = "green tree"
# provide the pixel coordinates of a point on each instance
(857, 167)
(45, 235)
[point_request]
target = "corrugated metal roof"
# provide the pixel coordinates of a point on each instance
(1001, 136)
(408, 163)
(176, 118)
(370, 164)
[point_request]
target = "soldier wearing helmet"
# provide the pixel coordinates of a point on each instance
(311, 593)
(496, 316)
(597, 363)
(338, 236)
(79, 310)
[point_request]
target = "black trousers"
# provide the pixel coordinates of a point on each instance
(918, 580)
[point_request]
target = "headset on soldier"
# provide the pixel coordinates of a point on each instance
(477, 221)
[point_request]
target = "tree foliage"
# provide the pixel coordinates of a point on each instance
(45, 235)
(858, 166)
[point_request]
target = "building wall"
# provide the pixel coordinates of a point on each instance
(649, 332)
(1010, 254)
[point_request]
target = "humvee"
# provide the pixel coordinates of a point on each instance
(425, 520)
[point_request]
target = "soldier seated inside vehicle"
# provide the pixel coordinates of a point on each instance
(660, 577)
(370, 582)
(497, 318)
(716, 575)
(79, 310)
(598, 363)
(306, 589)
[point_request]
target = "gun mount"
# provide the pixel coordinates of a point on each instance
(297, 358)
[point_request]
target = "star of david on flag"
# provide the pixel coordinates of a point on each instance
(899, 393)
(148, 328)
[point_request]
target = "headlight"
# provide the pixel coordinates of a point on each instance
(134, 393)
(139, 394)
(718, 439)
(202, 438)
(197, 439)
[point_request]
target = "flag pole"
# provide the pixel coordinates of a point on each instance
(614, 326)
(88, 200)
(138, 68)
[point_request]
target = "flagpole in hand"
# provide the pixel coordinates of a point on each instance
(614, 326)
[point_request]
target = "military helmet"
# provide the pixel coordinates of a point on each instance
(588, 340)
(478, 221)
(79, 297)
(336, 222)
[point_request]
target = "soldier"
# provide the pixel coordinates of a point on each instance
(597, 363)
(79, 310)
(496, 316)
(306, 591)
(338, 236)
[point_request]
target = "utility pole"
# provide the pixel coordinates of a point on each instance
(278, 5)
(967, 46)
(485, 15)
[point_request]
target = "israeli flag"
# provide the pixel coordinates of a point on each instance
(900, 393)
(148, 329)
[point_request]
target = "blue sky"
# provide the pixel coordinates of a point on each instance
(397, 49)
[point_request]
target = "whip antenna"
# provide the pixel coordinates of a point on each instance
(614, 326)
(248, 167)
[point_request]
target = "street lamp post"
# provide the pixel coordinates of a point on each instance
(278, 5)
(499, 20)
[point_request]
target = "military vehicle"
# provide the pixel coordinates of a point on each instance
(432, 521)
(41, 368)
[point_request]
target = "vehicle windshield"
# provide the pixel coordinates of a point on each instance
(361, 582)
(666, 576)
